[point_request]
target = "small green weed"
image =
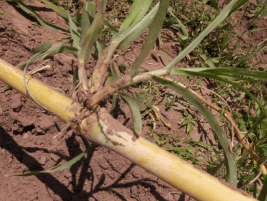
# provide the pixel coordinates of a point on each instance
(188, 121)
(225, 46)
(198, 153)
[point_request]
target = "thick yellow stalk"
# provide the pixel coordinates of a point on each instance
(103, 129)
(52, 100)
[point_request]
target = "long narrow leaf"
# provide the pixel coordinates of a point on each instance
(222, 79)
(137, 11)
(114, 77)
(114, 103)
(74, 31)
(183, 28)
(234, 73)
(110, 25)
(37, 17)
(238, 5)
(223, 14)
(45, 53)
(152, 36)
(262, 46)
(56, 8)
(231, 166)
(128, 35)
(60, 167)
(263, 193)
(88, 16)
(90, 38)
(100, 48)
(137, 120)
(68, 49)
(43, 47)
(114, 74)
(7, 13)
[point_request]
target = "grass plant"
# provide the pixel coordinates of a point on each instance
(203, 30)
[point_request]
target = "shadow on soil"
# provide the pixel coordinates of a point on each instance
(8, 143)
(31, 18)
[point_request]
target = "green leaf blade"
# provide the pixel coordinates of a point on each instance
(137, 119)
(233, 73)
(237, 5)
(74, 31)
(152, 36)
(263, 193)
(222, 16)
(90, 38)
(125, 37)
(57, 9)
(38, 18)
(88, 15)
(221, 78)
(232, 169)
(137, 11)
(59, 167)
(47, 50)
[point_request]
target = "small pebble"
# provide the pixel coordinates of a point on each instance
(38, 130)
(25, 136)
(43, 160)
